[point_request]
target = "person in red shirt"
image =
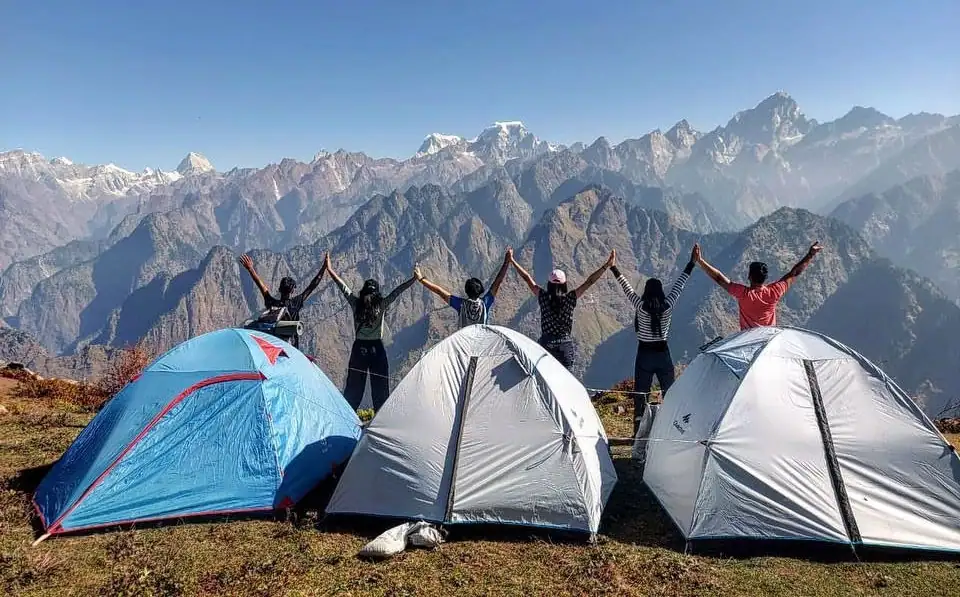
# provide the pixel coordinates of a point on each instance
(758, 302)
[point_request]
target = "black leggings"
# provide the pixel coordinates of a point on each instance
(367, 355)
(652, 359)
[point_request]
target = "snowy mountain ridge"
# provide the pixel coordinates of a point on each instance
(80, 182)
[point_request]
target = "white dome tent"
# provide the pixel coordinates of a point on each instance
(486, 428)
(785, 434)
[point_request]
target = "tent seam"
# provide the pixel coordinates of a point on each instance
(271, 430)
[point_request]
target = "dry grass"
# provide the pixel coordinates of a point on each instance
(638, 552)
(128, 364)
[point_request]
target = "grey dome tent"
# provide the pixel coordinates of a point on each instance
(486, 428)
(787, 434)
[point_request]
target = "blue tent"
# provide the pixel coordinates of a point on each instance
(233, 421)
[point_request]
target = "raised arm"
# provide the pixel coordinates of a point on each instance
(507, 258)
(313, 283)
(681, 280)
(434, 288)
(399, 290)
(592, 278)
(526, 277)
(625, 285)
(801, 265)
(328, 266)
(247, 263)
(717, 276)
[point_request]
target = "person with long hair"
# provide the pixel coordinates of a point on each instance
(557, 304)
(474, 307)
(292, 304)
(368, 354)
(652, 324)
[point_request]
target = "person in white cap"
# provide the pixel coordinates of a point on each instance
(556, 309)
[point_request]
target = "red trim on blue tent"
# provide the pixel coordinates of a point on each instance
(131, 521)
(36, 507)
(56, 526)
(271, 350)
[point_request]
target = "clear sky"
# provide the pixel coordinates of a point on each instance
(249, 82)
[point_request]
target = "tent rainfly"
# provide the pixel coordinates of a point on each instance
(486, 428)
(785, 434)
(228, 422)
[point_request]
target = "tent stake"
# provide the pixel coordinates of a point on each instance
(40, 540)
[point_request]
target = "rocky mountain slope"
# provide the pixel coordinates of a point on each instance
(763, 158)
(451, 239)
(915, 224)
(87, 364)
(905, 325)
(47, 203)
(509, 205)
(933, 155)
(154, 254)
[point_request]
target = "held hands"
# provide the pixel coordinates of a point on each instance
(612, 260)
(326, 262)
(246, 261)
(417, 274)
(508, 256)
(696, 256)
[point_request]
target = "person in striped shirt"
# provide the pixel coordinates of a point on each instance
(652, 323)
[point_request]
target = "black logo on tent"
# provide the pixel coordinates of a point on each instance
(686, 421)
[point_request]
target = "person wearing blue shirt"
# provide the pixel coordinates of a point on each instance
(475, 307)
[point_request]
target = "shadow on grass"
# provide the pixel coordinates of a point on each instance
(633, 514)
(26, 480)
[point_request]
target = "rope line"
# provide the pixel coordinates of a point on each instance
(651, 439)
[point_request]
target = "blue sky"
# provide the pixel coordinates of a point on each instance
(248, 83)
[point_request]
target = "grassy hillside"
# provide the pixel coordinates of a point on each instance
(639, 552)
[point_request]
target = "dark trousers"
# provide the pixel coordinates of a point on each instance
(564, 351)
(652, 359)
(367, 356)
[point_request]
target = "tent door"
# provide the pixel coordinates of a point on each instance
(833, 466)
(459, 419)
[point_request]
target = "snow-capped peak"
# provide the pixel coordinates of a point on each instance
(434, 142)
(321, 155)
(510, 128)
(61, 161)
(194, 163)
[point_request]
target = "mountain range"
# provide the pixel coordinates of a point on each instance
(152, 255)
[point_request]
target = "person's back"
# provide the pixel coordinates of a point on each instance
(472, 311)
(758, 304)
(474, 308)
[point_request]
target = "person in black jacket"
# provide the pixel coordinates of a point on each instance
(290, 302)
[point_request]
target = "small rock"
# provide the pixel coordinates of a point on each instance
(3, 410)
